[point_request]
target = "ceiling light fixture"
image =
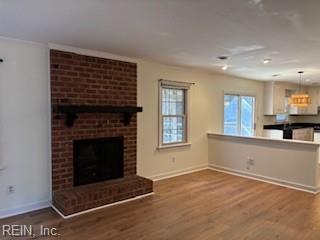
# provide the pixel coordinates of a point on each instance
(300, 99)
(267, 60)
(223, 57)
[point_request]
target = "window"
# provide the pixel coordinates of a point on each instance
(239, 112)
(173, 117)
(282, 118)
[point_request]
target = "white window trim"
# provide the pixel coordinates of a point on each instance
(179, 85)
(242, 93)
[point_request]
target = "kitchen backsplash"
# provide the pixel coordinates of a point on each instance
(309, 119)
(269, 120)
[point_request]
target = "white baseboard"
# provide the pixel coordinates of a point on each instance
(37, 206)
(101, 207)
(179, 172)
(40, 205)
(24, 209)
(275, 181)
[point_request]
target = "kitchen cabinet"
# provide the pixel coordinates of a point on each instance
(303, 134)
(273, 134)
(276, 99)
(318, 93)
(316, 137)
(312, 109)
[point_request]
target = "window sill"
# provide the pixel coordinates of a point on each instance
(172, 146)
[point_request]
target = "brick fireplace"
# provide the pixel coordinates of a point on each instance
(85, 82)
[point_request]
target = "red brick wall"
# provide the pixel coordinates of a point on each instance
(79, 80)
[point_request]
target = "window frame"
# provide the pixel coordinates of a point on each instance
(241, 94)
(167, 84)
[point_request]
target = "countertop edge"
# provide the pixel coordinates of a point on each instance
(264, 139)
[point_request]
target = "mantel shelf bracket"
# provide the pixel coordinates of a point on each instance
(70, 118)
(127, 118)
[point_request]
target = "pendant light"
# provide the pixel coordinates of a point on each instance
(300, 99)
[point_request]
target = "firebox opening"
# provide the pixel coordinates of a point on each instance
(97, 160)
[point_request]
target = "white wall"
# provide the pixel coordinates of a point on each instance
(24, 126)
(286, 162)
(206, 114)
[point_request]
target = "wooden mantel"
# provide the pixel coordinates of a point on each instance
(71, 111)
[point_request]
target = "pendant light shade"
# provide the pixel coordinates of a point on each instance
(300, 99)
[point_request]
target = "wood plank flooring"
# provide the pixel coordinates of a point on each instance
(206, 205)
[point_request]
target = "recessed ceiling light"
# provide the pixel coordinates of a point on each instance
(222, 57)
(267, 60)
(224, 68)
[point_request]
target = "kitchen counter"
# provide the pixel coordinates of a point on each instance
(292, 126)
(258, 139)
(289, 163)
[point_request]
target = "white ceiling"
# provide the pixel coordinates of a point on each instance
(181, 32)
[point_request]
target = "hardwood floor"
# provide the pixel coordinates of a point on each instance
(203, 205)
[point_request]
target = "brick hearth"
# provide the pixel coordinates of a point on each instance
(98, 194)
(85, 80)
